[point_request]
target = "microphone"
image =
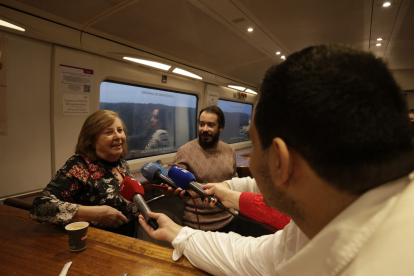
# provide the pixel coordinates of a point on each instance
(132, 190)
(186, 180)
(163, 172)
(152, 172)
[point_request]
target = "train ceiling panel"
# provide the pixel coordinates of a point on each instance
(178, 28)
(78, 11)
(212, 34)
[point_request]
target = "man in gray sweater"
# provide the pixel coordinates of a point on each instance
(210, 160)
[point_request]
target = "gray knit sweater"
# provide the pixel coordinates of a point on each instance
(214, 164)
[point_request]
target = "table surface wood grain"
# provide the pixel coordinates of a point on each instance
(31, 248)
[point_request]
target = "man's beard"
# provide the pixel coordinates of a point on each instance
(276, 198)
(204, 141)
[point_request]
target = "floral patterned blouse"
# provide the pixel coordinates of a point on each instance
(80, 182)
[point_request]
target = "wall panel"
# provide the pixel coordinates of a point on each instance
(25, 151)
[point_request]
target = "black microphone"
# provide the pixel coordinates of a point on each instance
(186, 180)
(152, 172)
(132, 190)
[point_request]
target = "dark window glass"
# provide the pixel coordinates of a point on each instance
(157, 121)
(238, 117)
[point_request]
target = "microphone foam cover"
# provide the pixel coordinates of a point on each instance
(130, 187)
(163, 172)
(149, 171)
(180, 177)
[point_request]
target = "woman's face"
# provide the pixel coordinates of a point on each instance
(108, 143)
(154, 119)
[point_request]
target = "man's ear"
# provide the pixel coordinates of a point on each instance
(280, 162)
(221, 129)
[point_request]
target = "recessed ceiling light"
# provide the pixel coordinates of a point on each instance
(150, 63)
(386, 4)
(277, 53)
(10, 25)
(378, 44)
(250, 91)
(186, 73)
(283, 57)
(379, 39)
(241, 88)
(250, 29)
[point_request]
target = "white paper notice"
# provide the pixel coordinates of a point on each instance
(212, 98)
(75, 79)
(75, 104)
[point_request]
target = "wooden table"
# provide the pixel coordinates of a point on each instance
(31, 248)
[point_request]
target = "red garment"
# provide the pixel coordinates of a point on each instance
(252, 206)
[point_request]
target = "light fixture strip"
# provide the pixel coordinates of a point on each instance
(250, 91)
(240, 88)
(186, 73)
(149, 63)
(11, 26)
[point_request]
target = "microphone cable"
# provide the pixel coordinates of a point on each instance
(237, 215)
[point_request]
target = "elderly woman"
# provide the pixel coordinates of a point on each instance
(86, 188)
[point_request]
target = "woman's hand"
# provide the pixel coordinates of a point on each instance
(105, 215)
(110, 217)
(167, 230)
(228, 197)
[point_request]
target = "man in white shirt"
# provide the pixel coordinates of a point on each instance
(332, 150)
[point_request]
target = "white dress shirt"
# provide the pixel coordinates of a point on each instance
(289, 252)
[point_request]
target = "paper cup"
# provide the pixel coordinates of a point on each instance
(77, 234)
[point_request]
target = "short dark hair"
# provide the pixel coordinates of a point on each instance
(216, 110)
(342, 111)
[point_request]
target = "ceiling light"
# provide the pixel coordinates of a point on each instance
(379, 39)
(283, 57)
(250, 29)
(10, 25)
(241, 88)
(386, 4)
(378, 44)
(186, 73)
(250, 91)
(277, 53)
(150, 63)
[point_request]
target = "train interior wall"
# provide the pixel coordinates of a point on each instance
(40, 138)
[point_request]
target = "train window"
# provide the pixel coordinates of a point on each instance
(238, 117)
(157, 121)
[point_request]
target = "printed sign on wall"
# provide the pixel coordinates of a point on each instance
(75, 79)
(75, 104)
(212, 98)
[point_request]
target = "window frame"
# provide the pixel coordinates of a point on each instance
(169, 154)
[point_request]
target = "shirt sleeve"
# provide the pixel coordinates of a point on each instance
(244, 184)
(53, 205)
(253, 206)
(228, 254)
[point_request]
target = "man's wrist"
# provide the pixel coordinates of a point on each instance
(234, 199)
(175, 231)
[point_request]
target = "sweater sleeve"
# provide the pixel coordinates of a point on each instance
(234, 165)
(244, 184)
(180, 160)
(253, 206)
